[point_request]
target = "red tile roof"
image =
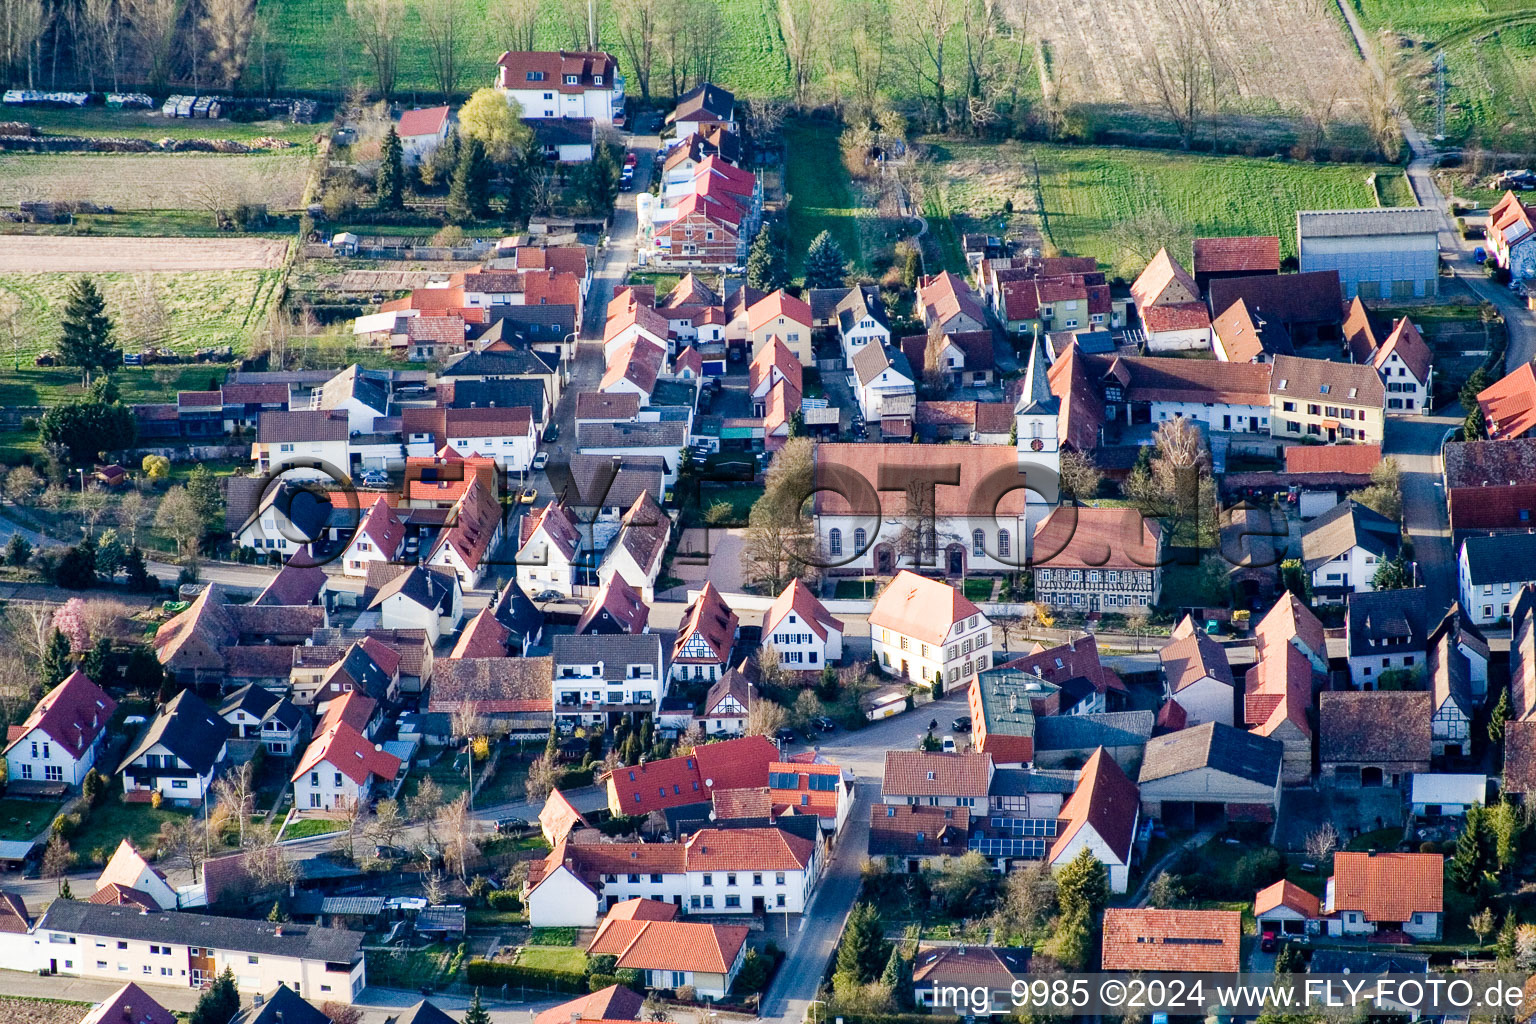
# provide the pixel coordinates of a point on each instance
(1181, 316)
(1163, 282)
(774, 355)
(1104, 800)
(1509, 404)
(352, 707)
(1388, 886)
(1096, 538)
(801, 798)
(623, 604)
(612, 1003)
(118, 895)
(72, 714)
(736, 764)
(568, 259)
(1279, 689)
(711, 620)
(670, 945)
(1354, 459)
(1409, 345)
(775, 305)
(921, 773)
(944, 296)
(513, 69)
(1246, 254)
(425, 121)
(1285, 894)
(483, 637)
(797, 598)
(383, 528)
(1142, 939)
(350, 752)
(1291, 618)
(921, 608)
(1074, 658)
(473, 524)
(732, 764)
(559, 816)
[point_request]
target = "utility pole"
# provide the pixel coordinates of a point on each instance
(1440, 97)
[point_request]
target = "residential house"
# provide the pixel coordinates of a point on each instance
(704, 106)
(1101, 816)
(1326, 473)
(342, 768)
(1491, 570)
(483, 637)
(952, 359)
(510, 693)
(300, 581)
(1450, 680)
(1309, 306)
(1277, 703)
(302, 445)
(440, 480)
(1238, 336)
(1456, 628)
(364, 395)
(1391, 253)
(1373, 738)
(598, 680)
(283, 1006)
(773, 365)
(1038, 303)
(421, 131)
(1210, 774)
(1168, 303)
(1344, 548)
(684, 155)
(197, 645)
(947, 301)
(127, 870)
(661, 440)
(471, 535)
(676, 954)
(637, 551)
(547, 558)
(563, 84)
(1075, 659)
(700, 232)
(935, 779)
(1388, 631)
(506, 435)
(886, 389)
(1324, 400)
(367, 666)
(1370, 893)
(1509, 236)
(564, 140)
(864, 525)
(990, 969)
(177, 754)
(928, 632)
(257, 713)
(1403, 360)
(1097, 559)
(1509, 404)
(615, 608)
(288, 518)
(60, 740)
(1285, 908)
(421, 598)
(1142, 939)
(689, 779)
(633, 370)
(1490, 485)
(1225, 397)
(499, 363)
(809, 784)
(104, 942)
(380, 537)
(859, 316)
(705, 637)
(1002, 703)
(801, 632)
(976, 422)
(1243, 256)
(782, 316)
(917, 837)
(1196, 674)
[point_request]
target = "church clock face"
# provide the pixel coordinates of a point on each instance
(1037, 445)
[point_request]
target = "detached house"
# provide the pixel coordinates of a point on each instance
(177, 754)
(551, 545)
(128, 872)
(636, 553)
(1387, 630)
(342, 768)
(1325, 401)
(421, 598)
(801, 632)
(380, 538)
(727, 704)
(928, 632)
(254, 712)
(1142, 939)
(62, 737)
(1403, 360)
(704, 106)
(1197, 675)
(1097, 559)
(307, 445)
(1509, 404)
(597, 680)
(675, 954)
(615, 608)
(1491, 571)
(886, 389)
(705, 637)
(421, 132)
(1101, 816)
(1343, 548)
(1168, 303)
(1385, 892)
(563, 84)
(861, 320)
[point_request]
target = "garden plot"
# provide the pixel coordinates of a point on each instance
(154, 181)
(33, 254)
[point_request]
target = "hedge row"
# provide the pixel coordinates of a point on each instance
(493, 974)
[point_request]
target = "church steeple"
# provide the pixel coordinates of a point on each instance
(1037, 411)
(1037, 385)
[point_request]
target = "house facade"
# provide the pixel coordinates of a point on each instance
(62, 737)
(1097, 559)
(926, 631)
(562, 83)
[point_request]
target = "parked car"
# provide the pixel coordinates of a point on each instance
(786, 735)
(511, 825)
(824, 723)
(548, 595)
(389, 853)
(541, 460)
(949, 745)
(528, 496)
(961, 724)
(552, 432)
(1268, 942)
(630, 160)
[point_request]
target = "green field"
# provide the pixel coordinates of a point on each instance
(752, 59)
(821, 198)
(1490, 55)
(99, 122)
(47, 385)
(196, 310)
(303, 828)
(1095, 197)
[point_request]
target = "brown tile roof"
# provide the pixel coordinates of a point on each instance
(302, 425)
(620, 602)
(559, 816)
(1409, 345)
(730, 764)
(730, 804)
(1142, 939)
(1388, 886)
(1520, 757)
(969, 966)
(1250, 253)
(1353, 459)
(494, 685)
(1178, 316)
(1359, 331)
(916, 830)
(1104, 800)
(14, 918)
(645, 531)
(1288, 619)
(612, 1003)
(1070, 660)
(670, 945)
(987, 466)
(483, 637)
(1509, 404)
(1161, 378)
(1163, 282)
(558, 524)
(921, 608)
(1113, 538)
(600, 405)
(1285, 893)
(944, 296)
(265, 661)
(1374, 726)
(1247, 338)
(72, 714)
(1314, 297)
(568, 259)
(922, 773)
(1346, 383)
(748, 849)
(1279, 689)
(129, 1005)
(710, 619)
(1082, 401)
(474, 523)
(1193, 657)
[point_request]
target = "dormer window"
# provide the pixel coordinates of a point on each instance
(572, 79)
(597, 79)
(535, 76)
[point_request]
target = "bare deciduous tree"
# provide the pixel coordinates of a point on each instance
(541, 778)
(1322, 841)
(923, 32)
(442, 22)
(435, 888)
(387, 825)
(154, 23)
(519, 23)
(378, 24)
(804, 25)
(235, 790)
(1185, 69)
(457, 830)
(227, 26)
(638, 23)
(765, 718)
(22, 24)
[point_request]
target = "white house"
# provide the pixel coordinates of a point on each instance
(506, 435)
(701, 107)
(177, 754)
(364, 395)
(380, 537)
(861, 320)
(1343, 548)
(705, 958)
(472, 533)
(727, 704)
(1388, 892)
(599, 677)
(254, 712)
(705, 637)
(128, 868)
(1101, 816)
(551, 543)
(421, 132)
(302, 445)
(421, 598)
(636, 552)
(61, 738)
(800, 630)
(1388, 630)
(923, 630)
(342, 768)
(1404, 361)
(1490, 572)
(288, 518)
(1196, 674)
(885, 383)
(563, 84)
(110, 943)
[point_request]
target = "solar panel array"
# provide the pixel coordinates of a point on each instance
(988, 846)
(1027, 826)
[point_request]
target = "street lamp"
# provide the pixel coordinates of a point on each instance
(813, 1002)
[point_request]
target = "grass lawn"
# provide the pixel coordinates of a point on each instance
(979, 590)
(508, 785)
(179, 311)
(856, 590)
(1091, 192)
(23, 819)
(1394, 190)
(821, 198)
(99, 122)
(452, 783)
(155, 181)
(115, 821)
(553, 937)
(1381, 839)
(553, 958)
(661, 281)
(48, 385)
(409, 968)
(305, 827)
(741, 498)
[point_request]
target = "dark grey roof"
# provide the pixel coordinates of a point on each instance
(322, 868)
(435, 919)
(1023, 781)
(1110, 729)
(704, 98)
(369, 387)
(670, 392)
(1347, 525)
(871, 360)
(601, 480)
(561, 131)
(1351, 961)
(665, 434)
(353, 906)
(241, 495)
(254, 700)
(302, 425)
(284, 1006)
(1213, 745)
(426, 587)
(616, 652)
(514, 362)
(422, 1013)
(514, 610)
(1407, 220)
(365, 672)
(500, 394)
(857, 304)
(308, 510)
(187, 728)
(334, 945)
(542, 322)
(1400, 617)
(1506, 558)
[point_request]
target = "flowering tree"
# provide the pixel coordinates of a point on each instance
(70, 620)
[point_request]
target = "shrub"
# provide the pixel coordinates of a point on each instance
(686, 994)
(598, 982)
(492, 974)
(504, 900)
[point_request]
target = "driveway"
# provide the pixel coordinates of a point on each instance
(1414, 441)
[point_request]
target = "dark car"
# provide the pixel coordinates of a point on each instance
(786, 735)
(961, 724)
(552, 432)
(389, 853)
(511, 825)
(824, 723)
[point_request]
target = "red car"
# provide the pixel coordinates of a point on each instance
(1267, 942)
(631, 160)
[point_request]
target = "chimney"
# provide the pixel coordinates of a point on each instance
(277, 930)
